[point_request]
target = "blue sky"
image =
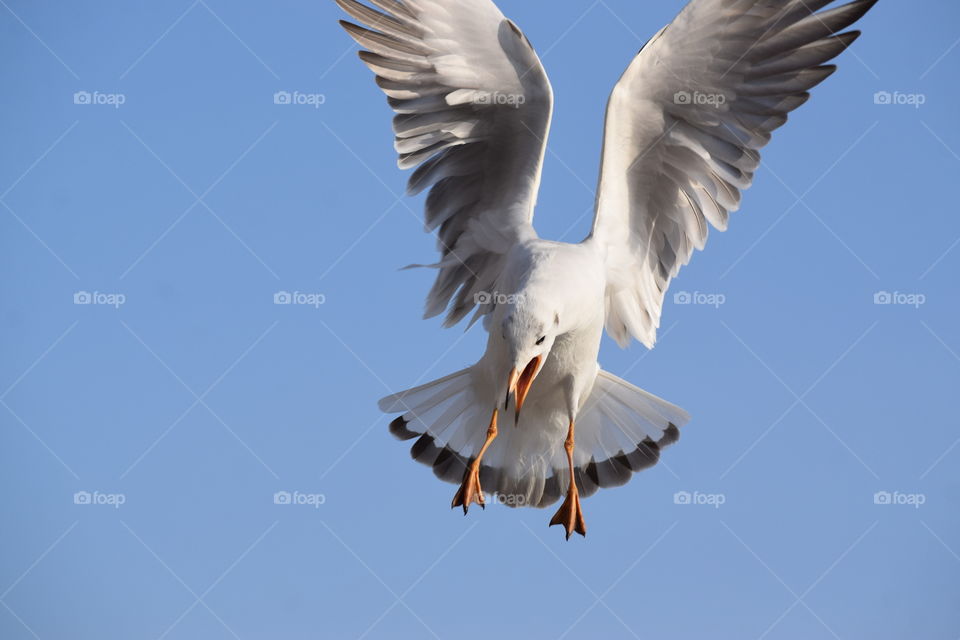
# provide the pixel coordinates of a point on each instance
(181, 398)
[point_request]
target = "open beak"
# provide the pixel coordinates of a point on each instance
(519, 384)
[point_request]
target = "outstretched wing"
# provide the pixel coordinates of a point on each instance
(473, 110)
(683, 130)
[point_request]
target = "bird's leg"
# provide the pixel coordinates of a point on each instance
(570, 514)
(470, 491)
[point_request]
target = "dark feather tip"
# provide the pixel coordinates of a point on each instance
(399, 429)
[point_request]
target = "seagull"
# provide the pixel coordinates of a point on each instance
(683, 129)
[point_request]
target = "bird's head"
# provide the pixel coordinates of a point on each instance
(529, 333)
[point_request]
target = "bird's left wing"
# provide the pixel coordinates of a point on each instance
(683, 131)
(473, 108)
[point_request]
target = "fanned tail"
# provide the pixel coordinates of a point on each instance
(620, 430)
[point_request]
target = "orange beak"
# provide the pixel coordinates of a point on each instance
(520, 384)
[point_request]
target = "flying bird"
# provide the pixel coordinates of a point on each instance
(536, 418)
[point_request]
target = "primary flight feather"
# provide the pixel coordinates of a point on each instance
(684, 126)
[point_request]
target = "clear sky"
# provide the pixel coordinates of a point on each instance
(181, 399)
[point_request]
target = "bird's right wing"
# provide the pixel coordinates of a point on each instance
(473, 108)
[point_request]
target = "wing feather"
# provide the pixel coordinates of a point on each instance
(684, 127)
(473, 107)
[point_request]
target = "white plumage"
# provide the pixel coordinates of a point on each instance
(684, 127)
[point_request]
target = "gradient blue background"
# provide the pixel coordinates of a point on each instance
(306, 199)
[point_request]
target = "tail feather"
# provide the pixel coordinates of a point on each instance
(423, 395)
(620, 430)
(440, 415)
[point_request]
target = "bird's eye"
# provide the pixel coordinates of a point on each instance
(541, 339)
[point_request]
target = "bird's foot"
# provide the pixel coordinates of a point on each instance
(570, 515)
(469, 491)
